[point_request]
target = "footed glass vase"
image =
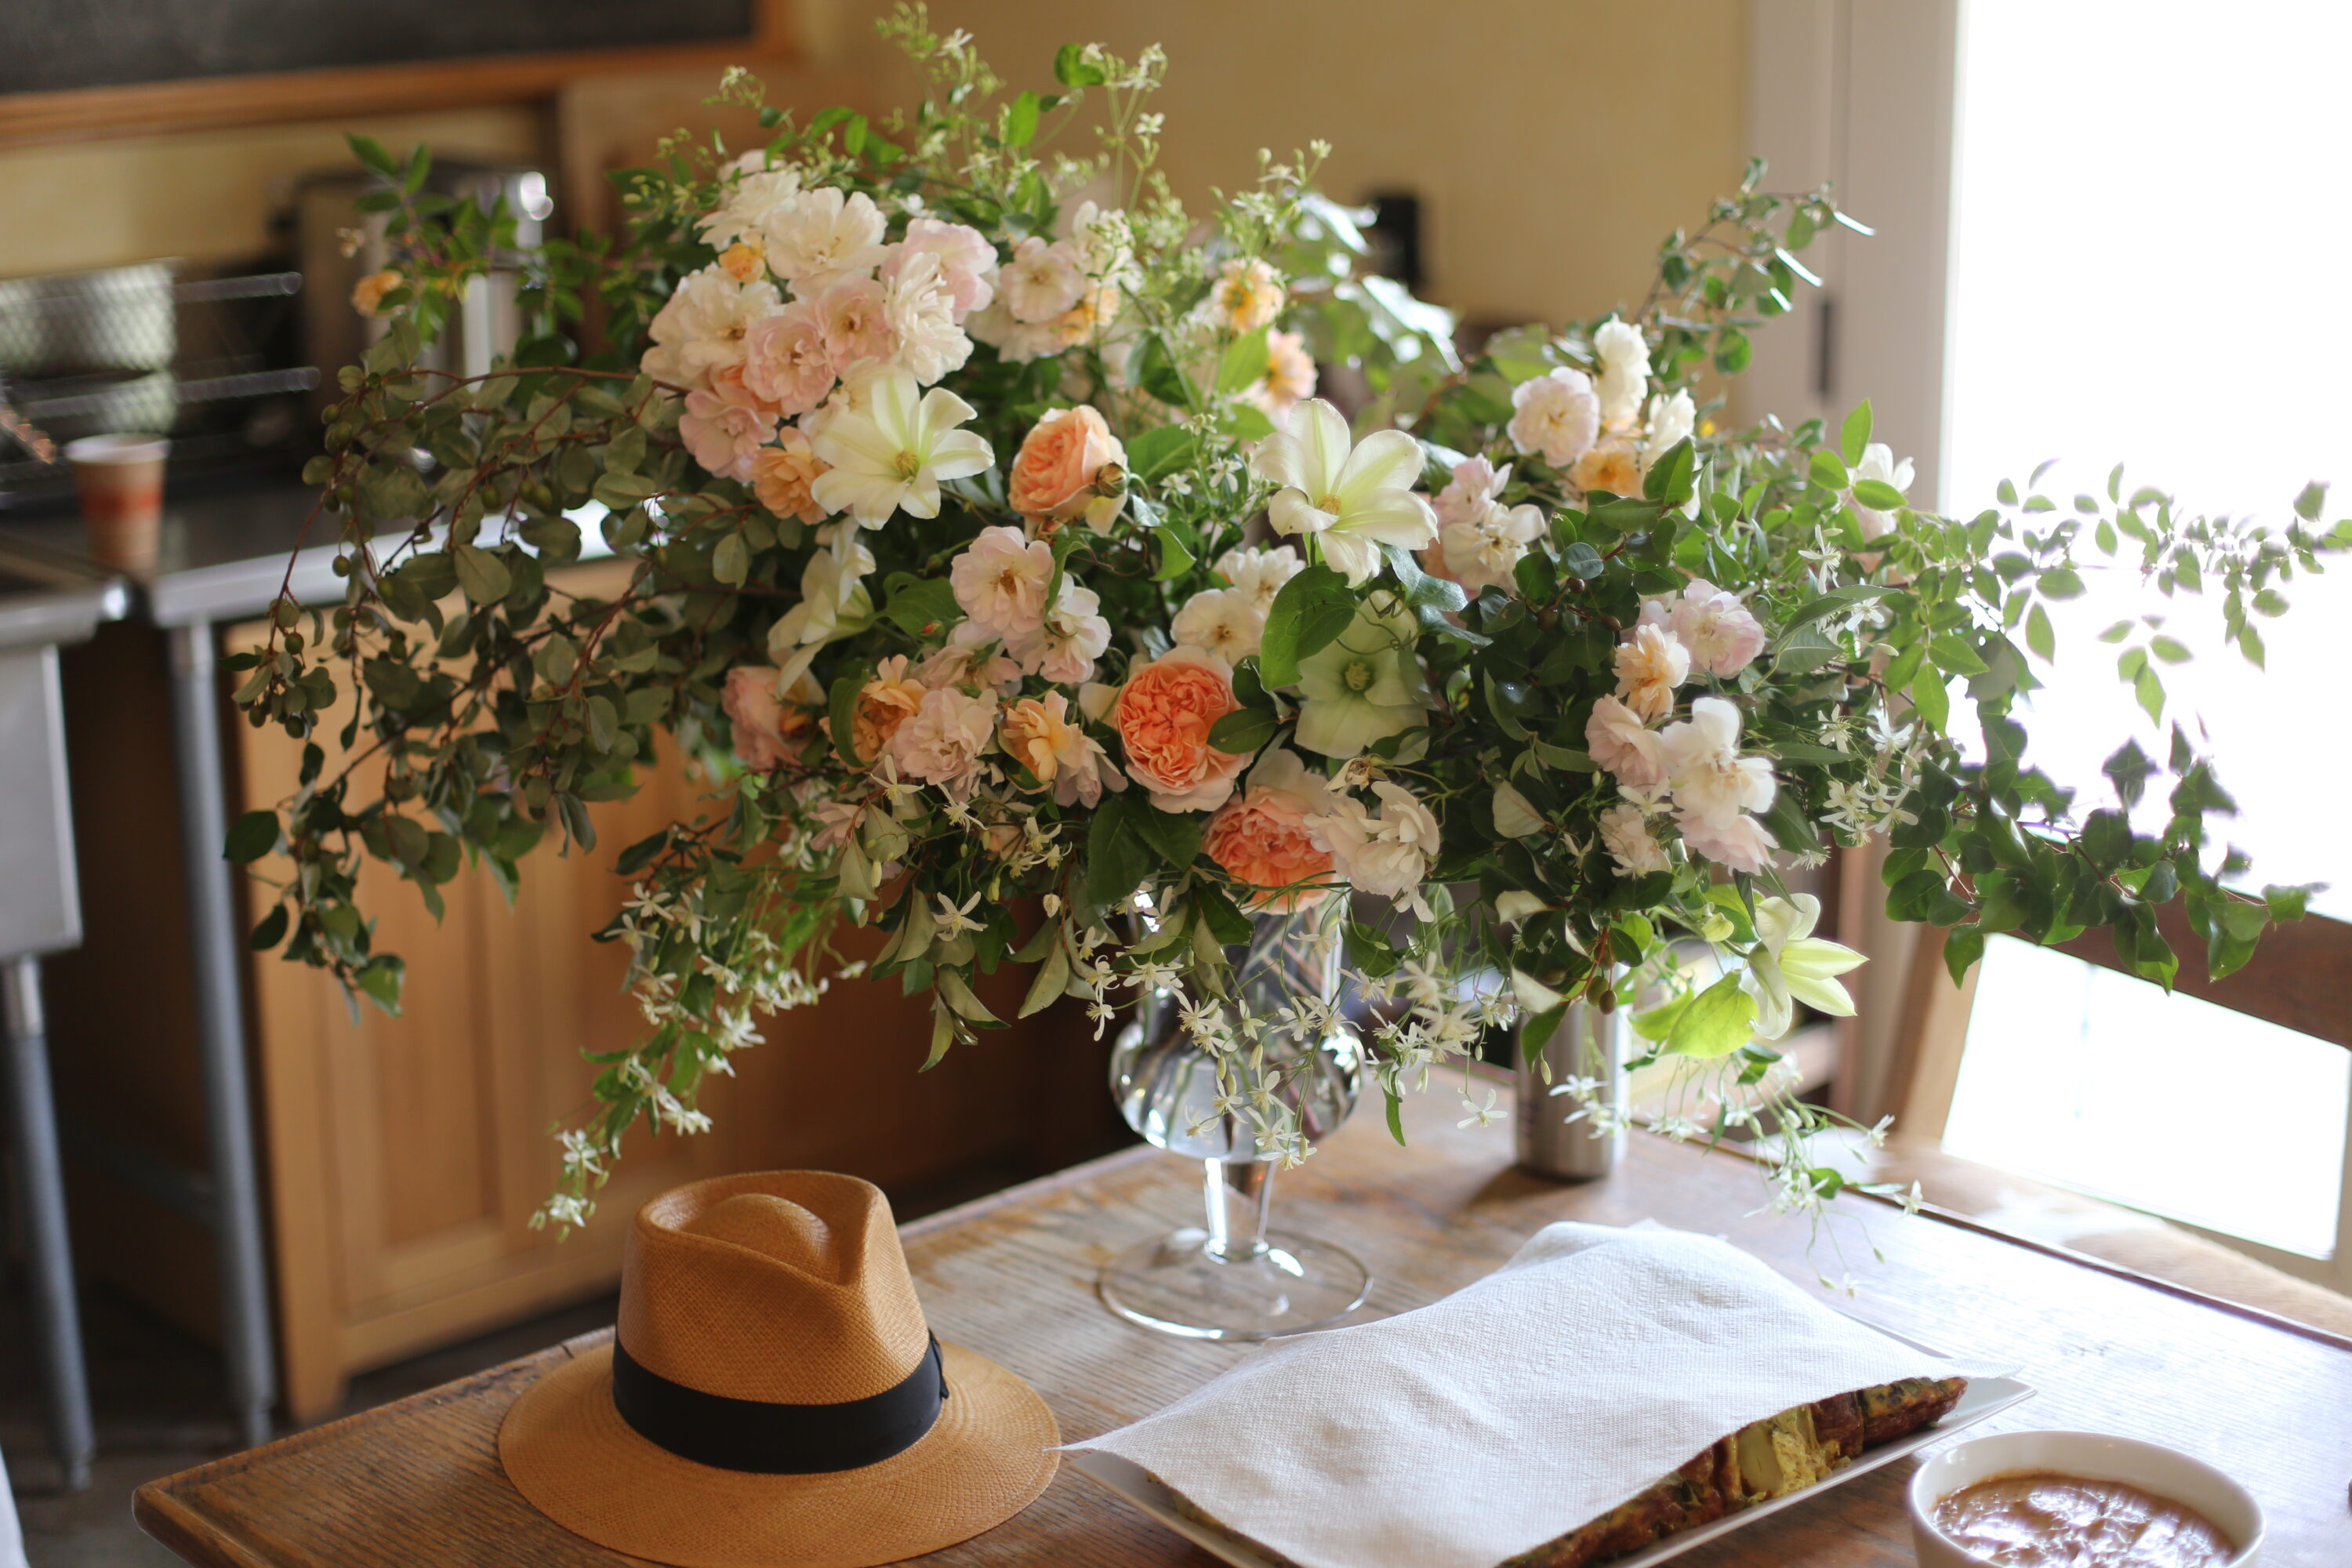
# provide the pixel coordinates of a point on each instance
(1231, 1278)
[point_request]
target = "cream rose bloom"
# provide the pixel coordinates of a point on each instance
(1624, 371)
(1712, 782)
(1556, 415)
(1484, 552)
(1626, 834)
(1066, 644)
(1672, 420)
(1723, 635)
(1388, 854)
(919, 307)
(1651, 663)
(966, 261)
(1620, 742)
(755, 196)
(1878, 463)
(942, 742)
(701, 327)
(1259, 572)
(1000, 581)
(824, 236)
(1226, 621)
(1046, 278)
(1739, 843)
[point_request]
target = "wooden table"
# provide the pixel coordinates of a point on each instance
(418, 1481)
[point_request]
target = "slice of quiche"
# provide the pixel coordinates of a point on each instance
(1762, 1460)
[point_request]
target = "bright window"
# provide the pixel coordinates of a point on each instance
(2148, 212)
(2163, 1103)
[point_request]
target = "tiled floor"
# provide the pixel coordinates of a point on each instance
(161, 1408)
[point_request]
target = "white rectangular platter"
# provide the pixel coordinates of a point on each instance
(1986, 1396)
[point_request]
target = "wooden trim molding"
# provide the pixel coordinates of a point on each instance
(2300, 977)
(215, 103)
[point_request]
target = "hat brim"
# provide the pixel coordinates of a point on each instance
(986, 1458)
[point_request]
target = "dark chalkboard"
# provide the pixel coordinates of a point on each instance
(46, 45)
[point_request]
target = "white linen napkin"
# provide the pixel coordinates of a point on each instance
(1482, 1426)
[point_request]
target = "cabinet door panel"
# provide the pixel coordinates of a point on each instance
(408, 1155)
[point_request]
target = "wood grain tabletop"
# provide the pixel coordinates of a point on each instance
(418, 1481)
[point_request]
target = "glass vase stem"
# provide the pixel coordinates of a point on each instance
(1237, 1192)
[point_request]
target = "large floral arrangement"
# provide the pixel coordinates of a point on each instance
(988, 541)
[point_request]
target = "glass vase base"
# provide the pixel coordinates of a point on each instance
(1176, 1284)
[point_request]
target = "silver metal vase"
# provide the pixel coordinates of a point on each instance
(1588, 1045)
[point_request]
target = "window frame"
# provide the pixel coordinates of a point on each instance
(1868, 96)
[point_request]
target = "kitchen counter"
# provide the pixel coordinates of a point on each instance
(221, 556)
(52, 597)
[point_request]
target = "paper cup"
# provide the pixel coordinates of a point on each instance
(121, 478)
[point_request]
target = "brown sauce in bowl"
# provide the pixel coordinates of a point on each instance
(2044, 1521)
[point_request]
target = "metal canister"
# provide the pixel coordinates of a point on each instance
(1587, 1049)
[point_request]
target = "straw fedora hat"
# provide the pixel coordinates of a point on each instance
(772, 1398)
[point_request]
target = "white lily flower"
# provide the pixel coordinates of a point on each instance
(1354, 498)
(1790, 964)
(890, 453)
(1363, 686)
(835, 604)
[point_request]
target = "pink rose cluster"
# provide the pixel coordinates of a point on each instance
(807, 295)
(1001, 581)
(1694, 766)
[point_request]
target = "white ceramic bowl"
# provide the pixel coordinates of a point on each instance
(2094, 1456)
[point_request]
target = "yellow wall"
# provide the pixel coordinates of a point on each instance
(204, 196)
(1554, 142)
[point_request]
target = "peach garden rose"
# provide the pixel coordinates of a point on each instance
(782, 475)
(771, 727)
(884, 703)
(1054, 475)
(1261, 838)
(1163, 716)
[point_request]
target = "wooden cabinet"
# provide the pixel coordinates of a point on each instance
(405, 1155)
